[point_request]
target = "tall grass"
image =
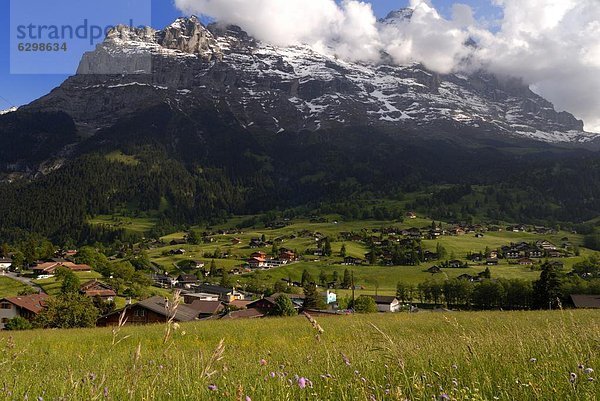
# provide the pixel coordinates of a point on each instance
(458, 356)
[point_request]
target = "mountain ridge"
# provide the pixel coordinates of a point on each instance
(294, 88)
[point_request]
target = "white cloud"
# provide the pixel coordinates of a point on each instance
(551, 44)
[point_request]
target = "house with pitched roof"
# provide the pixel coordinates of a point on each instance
(26, 306)
(95, 288)
(157, 309)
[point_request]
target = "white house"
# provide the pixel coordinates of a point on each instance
(386, 303)
(5, 264)
(27, 306)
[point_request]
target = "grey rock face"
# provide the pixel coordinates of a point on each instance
(275, 89)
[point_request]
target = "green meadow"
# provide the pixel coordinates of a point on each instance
(382, 279)
(10, 287)
(424, 356)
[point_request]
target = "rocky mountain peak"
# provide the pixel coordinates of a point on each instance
(401, 15)
(189, 35)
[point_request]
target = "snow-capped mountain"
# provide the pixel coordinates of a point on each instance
(2, 112)
(290, 89)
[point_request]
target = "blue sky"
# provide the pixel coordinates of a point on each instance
(17, 90)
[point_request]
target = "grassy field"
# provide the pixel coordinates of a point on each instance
(369, 277)
(132, 224)
(10, 287)
(427, 356)
(52, 287)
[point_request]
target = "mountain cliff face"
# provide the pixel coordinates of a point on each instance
(276, 90)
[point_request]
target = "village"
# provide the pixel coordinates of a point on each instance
(212, 283)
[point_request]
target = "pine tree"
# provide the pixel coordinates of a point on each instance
(343, 251)
(323, 278)
(327, 247)
(306, 278)
(283, 306)
(213, 268)
(347, 281)
(225, 280)
(547, 290)
(312, 299)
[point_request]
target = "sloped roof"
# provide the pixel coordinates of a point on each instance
(382, 299)
(158, 304)
(250, 313)
(33, 303)
(206, 307)
(586, 301)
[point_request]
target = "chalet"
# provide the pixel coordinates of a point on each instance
(190, 297)
(385, 303)
(236, 241)
(457, 231)
(287, 255)
(510, 253)
(351, 261)
(434, 270)
(491, 262)
(455, 264)
(163, 281)
(259, 254)
(433, 234)
(50, 267)
(197, 264)
(225, 294)
(428, 255)
(265, 305)
(256, 243)
(207, 309)
(534, 253)
(180, 241)
(256, 263)
(239, 304)
(95, 288)
(467, 277)
(179, 251)
(5, 264)
(526, 262)
(26, 306)
(249, 313)
(411, 215)
(186, 280)
(546, 245)
(157, 309)
(493, 255)
(479, 235)
(586, 301)
(554, 254)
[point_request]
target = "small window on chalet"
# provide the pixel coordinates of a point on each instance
(5, 320)
(5, 305)
(139, 313)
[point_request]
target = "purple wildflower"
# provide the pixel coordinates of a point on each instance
(105, 392)
(263, 362)
(212, 387)
(302, 382)
(443, 397)
(248, 398)
(272, 374)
